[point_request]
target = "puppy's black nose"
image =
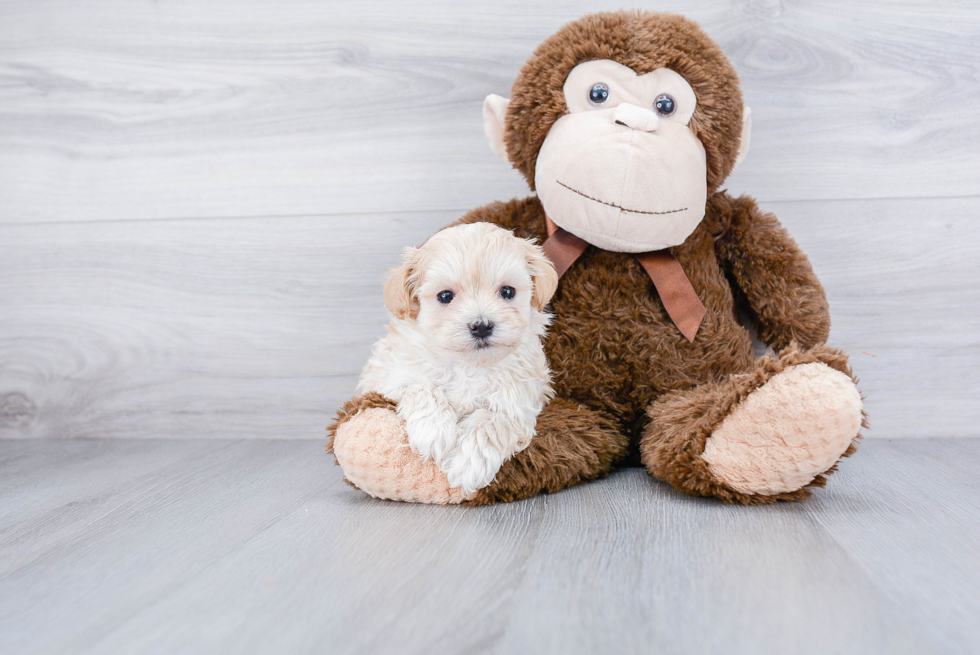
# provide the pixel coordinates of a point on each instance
(481, 330)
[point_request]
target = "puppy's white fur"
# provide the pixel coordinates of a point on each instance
(468, 403)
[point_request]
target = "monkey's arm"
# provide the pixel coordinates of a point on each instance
(772, 276)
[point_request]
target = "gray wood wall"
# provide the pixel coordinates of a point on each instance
(198, 200)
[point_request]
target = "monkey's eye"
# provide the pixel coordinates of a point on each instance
(507, 293)
(598, 95)
(445, 297)
(665, 105)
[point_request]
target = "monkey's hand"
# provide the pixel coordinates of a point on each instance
(429, 420)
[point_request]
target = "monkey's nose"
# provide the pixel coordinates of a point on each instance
(635, 117)
(481, 329)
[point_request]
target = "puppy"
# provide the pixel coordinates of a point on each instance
(463, 356)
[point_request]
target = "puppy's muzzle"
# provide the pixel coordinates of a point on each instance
(481, 330)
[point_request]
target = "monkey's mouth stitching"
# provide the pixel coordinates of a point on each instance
(610, 204)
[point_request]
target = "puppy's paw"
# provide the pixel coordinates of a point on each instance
(524, 436)
(478, 455)
(470, 469)
(431, 435)
(430, 423)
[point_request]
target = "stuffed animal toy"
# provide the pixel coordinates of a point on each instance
(626, 125)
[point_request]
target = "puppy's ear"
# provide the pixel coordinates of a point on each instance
(400, 297)
(543, 276)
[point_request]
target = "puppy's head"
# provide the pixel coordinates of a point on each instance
(474, 289)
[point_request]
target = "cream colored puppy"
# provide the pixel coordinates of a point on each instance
(463, 356)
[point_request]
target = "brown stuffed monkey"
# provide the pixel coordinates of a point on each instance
(626, 124)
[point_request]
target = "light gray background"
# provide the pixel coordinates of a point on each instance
(199, 200)
(198, 203)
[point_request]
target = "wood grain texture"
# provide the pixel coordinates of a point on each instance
(348, 131)
(287, 151)
(176, 109)
(260, 327)
(254, 327)
(255, 546)
(940, 549)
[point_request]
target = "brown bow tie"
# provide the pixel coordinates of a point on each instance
(676, 293)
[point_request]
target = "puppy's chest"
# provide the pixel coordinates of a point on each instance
(469, 389)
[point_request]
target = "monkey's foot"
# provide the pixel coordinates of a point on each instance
(787, 432)
(371, 446)
(767, 435)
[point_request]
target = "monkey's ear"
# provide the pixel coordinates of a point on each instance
(544, 278)
(494, 112)
(743, 144)
(400, 288)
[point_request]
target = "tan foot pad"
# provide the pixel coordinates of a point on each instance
(793, 428)
(372, 448)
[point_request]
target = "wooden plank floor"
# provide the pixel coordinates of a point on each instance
(255, 546)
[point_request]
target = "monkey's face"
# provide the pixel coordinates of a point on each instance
(625, 161)
(622, 169)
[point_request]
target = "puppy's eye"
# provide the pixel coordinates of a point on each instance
(598, 95)
(507, 292)
(445, 297)
(665, 105)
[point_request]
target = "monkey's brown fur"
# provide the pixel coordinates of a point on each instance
(613, 349)
(624, 376)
